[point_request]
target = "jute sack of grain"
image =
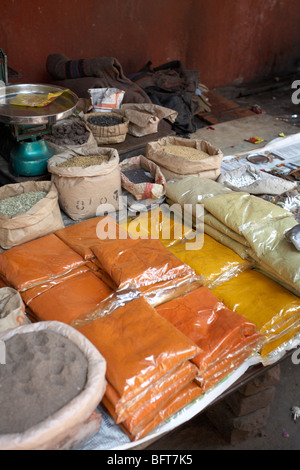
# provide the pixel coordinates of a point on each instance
(183, 156)
(208, 174)
(107, 134)
(42, 218)
(12, 309)
(66, 418)
(87, 191)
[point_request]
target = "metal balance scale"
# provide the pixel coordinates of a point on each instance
(30, 152)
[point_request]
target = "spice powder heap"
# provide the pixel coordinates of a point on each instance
(84, 162)
(20, 203)
(189, 153)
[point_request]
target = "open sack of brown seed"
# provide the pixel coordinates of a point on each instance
(142, 178)
(178, 157)
(88, 181)
(107, 128)
(52, 382)
(27, 211)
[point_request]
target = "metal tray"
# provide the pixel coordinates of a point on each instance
(62, 107)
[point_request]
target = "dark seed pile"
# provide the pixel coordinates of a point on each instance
(138, 176)
(104, 121)
(73, 133)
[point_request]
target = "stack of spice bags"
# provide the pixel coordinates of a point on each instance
(226, 338)
(261, 227)
(273, 309)
(210, 259)
(149, 373)
(53, 280)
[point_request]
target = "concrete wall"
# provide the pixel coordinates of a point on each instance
(228, 41)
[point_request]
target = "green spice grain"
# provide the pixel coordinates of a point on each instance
(21, 203)
(84, 162)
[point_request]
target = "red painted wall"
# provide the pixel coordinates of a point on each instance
(228, 41)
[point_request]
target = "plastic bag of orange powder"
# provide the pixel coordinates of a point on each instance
(76, 296)
(147, 411)
(175, 404)
(81, 236)
(37, 261)
(149, 398)
(139, 262)
(206, 321)
(139, 347)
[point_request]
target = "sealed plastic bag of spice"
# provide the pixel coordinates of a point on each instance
(212, 260)
(134, 365)
(37, 261)
(133, 263)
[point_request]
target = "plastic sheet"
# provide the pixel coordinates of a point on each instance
(160, 223)
(75, 297)
(217, 330)
(272, 308)
(214, 261)
(35, 262)
(134, 263)
(133, 365)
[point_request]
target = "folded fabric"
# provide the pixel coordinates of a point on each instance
(81, 236)
(273, 309)
(212, 260)
(37, 261)
(134, 263)
(77, 296)
(213, 327)
(139, 347)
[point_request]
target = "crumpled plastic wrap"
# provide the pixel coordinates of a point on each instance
(273, 309)
(134, 263)
(63, 430)
(74, 297)
(220, 333)
(37, 261)
(294, 236)
(250, 179)
(213, 261)
(139, 347)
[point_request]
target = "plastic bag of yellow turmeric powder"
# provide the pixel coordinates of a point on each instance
(133, 263)
(160, 223)
(139, 347)
(212, 260)
(273, 309)
(37, 261)
(75, 297)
